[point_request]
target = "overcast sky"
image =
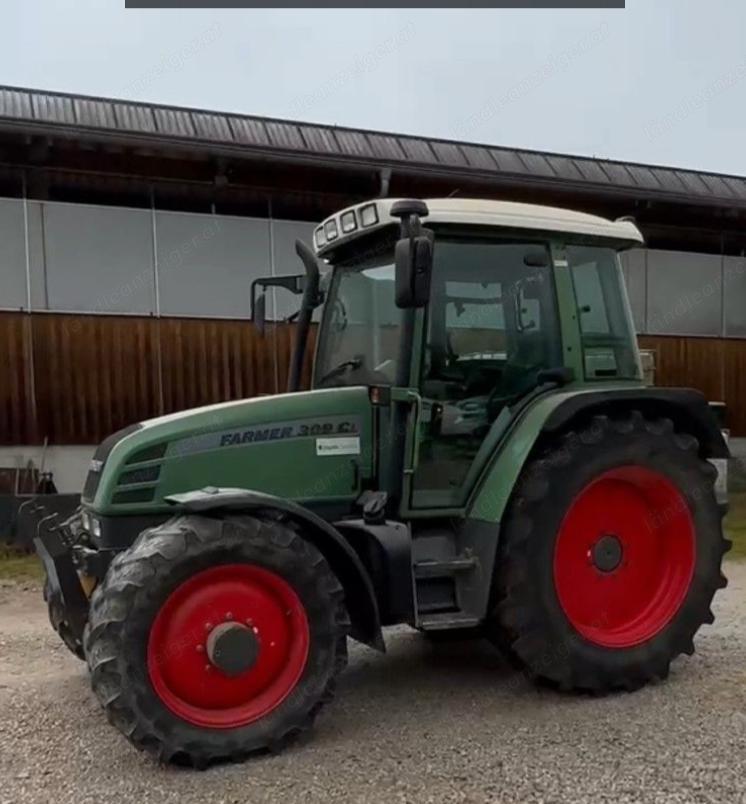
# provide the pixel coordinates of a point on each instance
(663, 81)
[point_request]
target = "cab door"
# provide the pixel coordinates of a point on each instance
(491, 326)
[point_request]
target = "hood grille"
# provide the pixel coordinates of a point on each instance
(102, 453)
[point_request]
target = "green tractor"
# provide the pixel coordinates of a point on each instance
(478, 455)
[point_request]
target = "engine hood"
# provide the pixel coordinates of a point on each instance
(307, 446)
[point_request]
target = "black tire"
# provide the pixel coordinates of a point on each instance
(139, 581)
(60, 624)
(528, 620)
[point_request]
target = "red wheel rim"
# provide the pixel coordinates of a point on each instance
(181, 672)
(624, 557)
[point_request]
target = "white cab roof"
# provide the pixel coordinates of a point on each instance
(480, 212)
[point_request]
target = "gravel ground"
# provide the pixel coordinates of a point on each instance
(429, 723)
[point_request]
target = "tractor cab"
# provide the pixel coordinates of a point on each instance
(464, 309)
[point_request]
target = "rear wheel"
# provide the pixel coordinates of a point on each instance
(214, 638)
(610, 556)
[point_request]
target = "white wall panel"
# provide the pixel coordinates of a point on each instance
(734, 272)
(206, 263)
(684, 293)
(13, 293)
(98, 259)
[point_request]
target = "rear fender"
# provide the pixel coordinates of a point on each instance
(559, 411)
(359, 593)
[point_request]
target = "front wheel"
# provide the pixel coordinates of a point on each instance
(213, 638)
(610, 556)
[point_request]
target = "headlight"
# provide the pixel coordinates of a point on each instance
(368, 215)
(85, 521)
(95, 528)
(349, 224)
(319, 236)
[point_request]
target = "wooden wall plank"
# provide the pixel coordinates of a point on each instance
(715, 366)
(16, 402)
(95, 374)
(690, 362)
(734, 362)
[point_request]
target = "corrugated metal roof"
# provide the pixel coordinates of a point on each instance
(174, 122)
(564, 167)
(284, 135)
(249, 131)
(319, 139)
(353, 143)
(508, 161)
(386, 146)
(478, 157)
(617, 173)
(448, 153)
(94, 113)
(591, 171)
(53, 108)
(125, 119)
(131, 117)
(212, 127)
(14, 103)
(417, 150)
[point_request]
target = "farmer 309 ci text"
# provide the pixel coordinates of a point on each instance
(478, 453)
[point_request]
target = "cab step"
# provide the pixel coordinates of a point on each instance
(441, 568)
(443, 621)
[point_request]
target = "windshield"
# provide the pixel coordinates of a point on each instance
(359, 336)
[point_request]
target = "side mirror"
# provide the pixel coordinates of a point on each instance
(413, 255)
(260, 314)
(414, 264)
(295, 283)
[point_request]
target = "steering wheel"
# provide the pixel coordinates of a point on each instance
(347, 367)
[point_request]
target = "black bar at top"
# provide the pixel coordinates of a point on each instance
(374, 4)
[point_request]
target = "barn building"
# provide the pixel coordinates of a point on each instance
(130, 234)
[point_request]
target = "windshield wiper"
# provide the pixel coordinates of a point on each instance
(345, 365)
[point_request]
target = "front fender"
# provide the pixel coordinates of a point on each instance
(359, 593)
(558, 411)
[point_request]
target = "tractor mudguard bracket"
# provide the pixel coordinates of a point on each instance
(386, 550)
(55, 552)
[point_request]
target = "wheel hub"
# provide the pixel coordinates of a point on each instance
(228, 645)
(232, 648)
(624, 556)
(607, 553)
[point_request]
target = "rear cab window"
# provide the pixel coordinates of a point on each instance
(606, 330)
